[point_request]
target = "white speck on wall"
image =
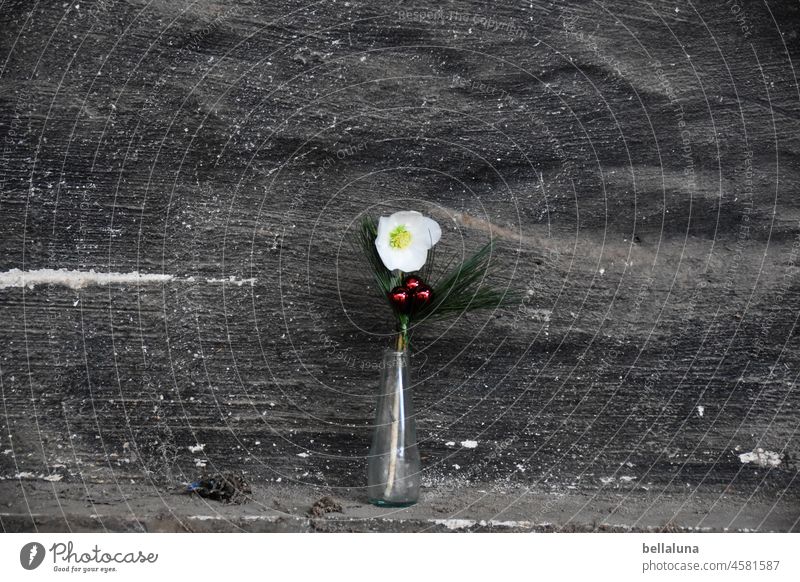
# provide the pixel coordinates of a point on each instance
(233, 281)
(701, 410)
(626, 478)
(203, 517)
(74, 279)
(761, 458)
(450, 444)
(469, 444)
(304, 455)
(541, 314)
(196, 448)
(606, 480)
(456, 523)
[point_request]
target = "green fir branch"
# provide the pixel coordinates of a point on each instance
(466, 288)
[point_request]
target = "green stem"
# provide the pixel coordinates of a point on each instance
(401, 345)
(402, 341)
(392, 470)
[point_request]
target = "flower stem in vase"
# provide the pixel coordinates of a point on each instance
(393, 451)
(402, 345)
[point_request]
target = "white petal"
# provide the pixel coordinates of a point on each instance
(407, 260)
(384, 226)
(405, 217)
(385, 252)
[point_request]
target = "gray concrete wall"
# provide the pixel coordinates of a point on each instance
(636, 163)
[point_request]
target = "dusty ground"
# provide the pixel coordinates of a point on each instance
(489, 508)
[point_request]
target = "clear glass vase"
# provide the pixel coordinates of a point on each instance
(394, 465)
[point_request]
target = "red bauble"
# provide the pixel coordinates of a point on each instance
(412, 282)
(422, 296)
(400, 299)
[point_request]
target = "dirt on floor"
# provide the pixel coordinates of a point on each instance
(54, 507)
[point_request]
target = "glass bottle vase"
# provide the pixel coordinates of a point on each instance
(394, 465)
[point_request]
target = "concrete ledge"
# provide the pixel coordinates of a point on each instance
(100, 507)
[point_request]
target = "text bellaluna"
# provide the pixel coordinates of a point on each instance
(673, 548)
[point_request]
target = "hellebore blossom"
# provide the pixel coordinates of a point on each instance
(404, 239)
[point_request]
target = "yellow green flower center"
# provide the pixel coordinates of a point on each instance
(399, 237)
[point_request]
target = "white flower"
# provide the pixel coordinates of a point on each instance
(404, 239)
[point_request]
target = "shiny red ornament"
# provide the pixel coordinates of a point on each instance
(412, 282)
(421, 296)
(400, 298)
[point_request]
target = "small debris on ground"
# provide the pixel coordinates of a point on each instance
(228, 487)
(324, 505)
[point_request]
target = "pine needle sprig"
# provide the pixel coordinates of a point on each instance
(466, 287)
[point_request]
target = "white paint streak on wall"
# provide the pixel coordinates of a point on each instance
(81, 279)
(74, 279)
(52, 477)
(454, 524)
(232, 280)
